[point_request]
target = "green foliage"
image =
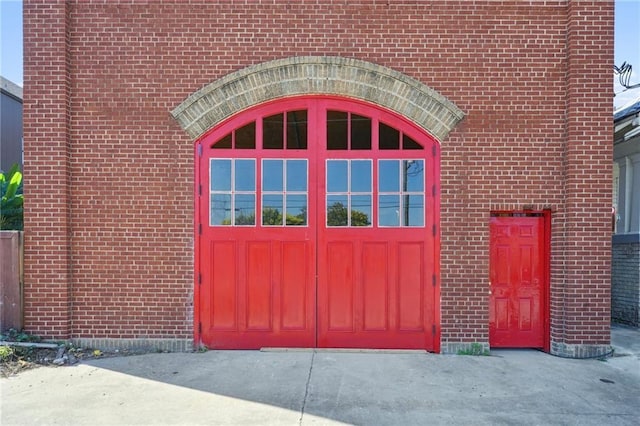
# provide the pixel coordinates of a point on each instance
(6, 353)
(359, 219)
(475, 349)
(11, 203)
(246, 219)
(271, 216)
(242, 219)
(296, 220)
(13, 335)
(337, 216)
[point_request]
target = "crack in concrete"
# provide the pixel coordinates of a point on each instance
(306, 390)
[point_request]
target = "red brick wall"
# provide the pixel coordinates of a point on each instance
(105, 135)
(46, 122)
(585, 297)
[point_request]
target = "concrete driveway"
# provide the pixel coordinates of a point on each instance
(307, 388)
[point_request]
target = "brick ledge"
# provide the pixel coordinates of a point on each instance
(136, 345)
(579, 351)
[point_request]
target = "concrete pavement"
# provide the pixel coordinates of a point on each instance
(324, 387)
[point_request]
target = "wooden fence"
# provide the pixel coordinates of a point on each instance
(11, 279)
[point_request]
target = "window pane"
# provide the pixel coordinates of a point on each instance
(337, 176)
(389, 210)
(245, 175)
(245, 209)
(272, 209)
(389, 176)
(360, 132)
(337, 210)
(220, 175)
(246, 136)
(272, 175)
(361, 176)
(296, 210)
(389, 137)
(414, 175)
(220, 209)
(297, 175)
(360, 210)
(414, 210)
(336, 130)
(225, 142)
(297, 130)
(408, 143)
(273, 132)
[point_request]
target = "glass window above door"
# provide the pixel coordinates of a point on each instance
(232, 192)
(285, 130)
(349, 195)
(284, 164)
(401, 193)
(284, 192)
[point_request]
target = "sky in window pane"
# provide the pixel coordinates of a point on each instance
(297, 175)
(245, 175)
(389, 210)
(414, 175)
(245, 209)
(272, 175)
(220, 209)
(389, 176)
(361, 176)
(415, 206)
(220, 175)
(337, 176)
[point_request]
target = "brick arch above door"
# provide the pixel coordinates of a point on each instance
(326, 75)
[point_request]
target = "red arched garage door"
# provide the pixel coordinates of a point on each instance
(316, 221)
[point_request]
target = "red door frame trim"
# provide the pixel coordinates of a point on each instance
(436, 248)
(546, 306)
(546, 214)
(197, 223)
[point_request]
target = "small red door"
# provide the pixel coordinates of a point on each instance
(518, 281)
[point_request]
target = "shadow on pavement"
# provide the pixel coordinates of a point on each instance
(253, 387)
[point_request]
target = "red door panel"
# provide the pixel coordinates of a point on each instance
(296, 269)
(340, 286)
(374, 295)
(259, 291)
(224, 296)
(375, 286)
(411, 287)
(260, 294)
(517, 274)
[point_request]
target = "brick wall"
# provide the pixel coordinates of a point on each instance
(119, 262)
(581, 275)
(625, 279)
(46, 121)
